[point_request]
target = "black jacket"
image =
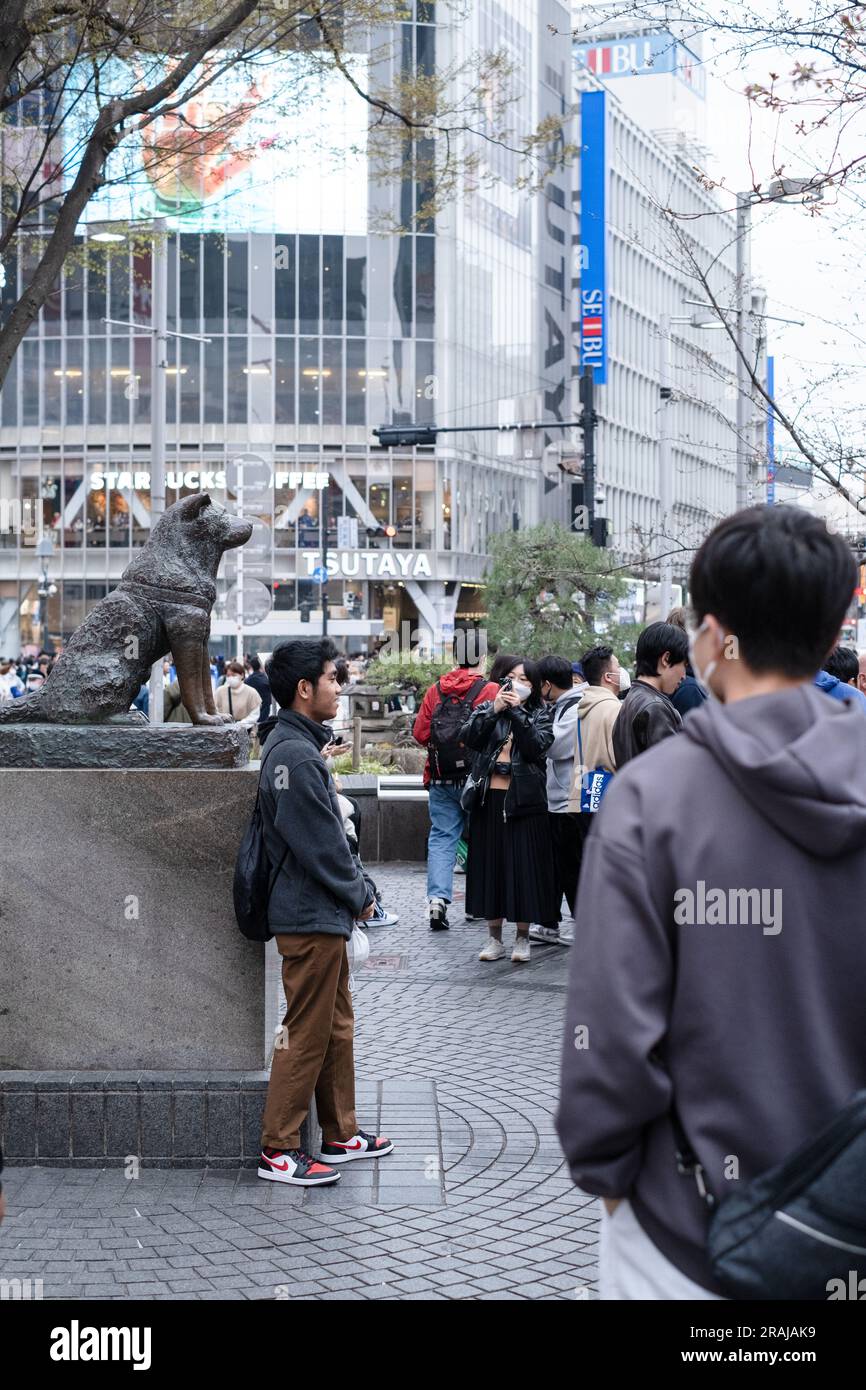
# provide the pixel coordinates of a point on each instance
(260, 683)
(319, 888)
(532, 728)
(647, 716)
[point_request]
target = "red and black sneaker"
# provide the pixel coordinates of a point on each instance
(296, 1167)
(362, 1145)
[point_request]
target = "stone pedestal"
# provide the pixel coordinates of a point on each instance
(118, 942)
(124, 745)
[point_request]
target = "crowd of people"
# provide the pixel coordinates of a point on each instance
(704, 822)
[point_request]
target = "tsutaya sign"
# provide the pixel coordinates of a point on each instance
(198, 478)
(374, 564)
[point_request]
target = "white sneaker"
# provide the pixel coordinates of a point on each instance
(520, 954)
(494, 950)
(548, 934)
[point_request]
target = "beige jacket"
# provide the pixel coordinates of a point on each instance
(597, 713)
(245, 703)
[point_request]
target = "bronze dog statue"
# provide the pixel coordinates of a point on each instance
(162, 604)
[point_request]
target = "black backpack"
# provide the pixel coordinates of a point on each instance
(797, 1231)
(253, 884)
(449, 758)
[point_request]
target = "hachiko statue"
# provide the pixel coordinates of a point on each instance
(162, 604)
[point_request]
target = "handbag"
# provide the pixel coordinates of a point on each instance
(594, 784)
(797, 1231)
(469, 794)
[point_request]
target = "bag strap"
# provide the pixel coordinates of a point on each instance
(475, 689)
(273, 883)
(688, 1165)
(231, 709)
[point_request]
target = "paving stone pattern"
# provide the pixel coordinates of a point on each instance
(458, 1062)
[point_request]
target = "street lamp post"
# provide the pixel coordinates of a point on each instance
(45, 552)
(666, 573)
(159, 331)
(745, 348)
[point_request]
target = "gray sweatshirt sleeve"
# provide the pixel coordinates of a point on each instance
(621, 980)
(564, 734)
(306, 821)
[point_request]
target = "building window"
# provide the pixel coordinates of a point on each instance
(356, 285)
(236, 284)
(213, 289)
(308, 284)
(284, 385)
(332, 381)
(284, 284)
(356, 381)
(308, 382)
(236, 403)
(332, 284)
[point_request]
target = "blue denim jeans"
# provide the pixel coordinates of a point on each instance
(446, 827)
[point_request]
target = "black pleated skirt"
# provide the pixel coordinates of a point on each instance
(510, 871)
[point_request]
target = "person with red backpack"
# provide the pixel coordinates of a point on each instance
(444, 710)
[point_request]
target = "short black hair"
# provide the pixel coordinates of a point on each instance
(780, 582)
(556, 670)
(652, 644)
(843, 663)
(301, 660)
(255, 663)
(503, 664)
(470, 646)
(595, 663)
(342, 671)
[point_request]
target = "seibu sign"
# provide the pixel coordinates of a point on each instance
(374, 564)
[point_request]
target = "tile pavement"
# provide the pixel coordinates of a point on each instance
(458, 1062)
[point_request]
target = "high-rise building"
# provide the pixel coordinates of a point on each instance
(306, 327)
(648, 223)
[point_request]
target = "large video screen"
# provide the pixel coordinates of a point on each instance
(261, 148)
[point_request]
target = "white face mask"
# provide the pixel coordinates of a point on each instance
(703, 676)
(624, 680)
(234, 681)
(521, 690)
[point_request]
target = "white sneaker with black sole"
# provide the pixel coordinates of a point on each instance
(361, 1145)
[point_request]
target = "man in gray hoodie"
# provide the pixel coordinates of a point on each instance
(719, 967)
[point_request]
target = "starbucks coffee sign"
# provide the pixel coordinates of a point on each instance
(373, 564)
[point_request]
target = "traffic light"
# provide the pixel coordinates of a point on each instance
(389, 435)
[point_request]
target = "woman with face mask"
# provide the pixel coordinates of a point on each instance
(510, 874)
(237, 699)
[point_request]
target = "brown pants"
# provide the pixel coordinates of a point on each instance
(314, 1053)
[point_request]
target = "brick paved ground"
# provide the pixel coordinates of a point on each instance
(458, 1062)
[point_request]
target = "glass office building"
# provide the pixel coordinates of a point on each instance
(314, 336)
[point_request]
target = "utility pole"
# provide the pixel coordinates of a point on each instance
(665, 478)
(745, 349)
(158, 365)
(324, 512)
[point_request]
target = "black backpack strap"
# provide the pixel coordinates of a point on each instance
(258, 793)
(476, 688)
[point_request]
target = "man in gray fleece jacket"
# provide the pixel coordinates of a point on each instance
(719, 964)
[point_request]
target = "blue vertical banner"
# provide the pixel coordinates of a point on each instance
(771, 433)
(593, 235)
